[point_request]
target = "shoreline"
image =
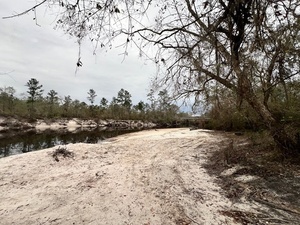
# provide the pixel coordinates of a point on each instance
(11, 126)
(147, 177)
(164, 176)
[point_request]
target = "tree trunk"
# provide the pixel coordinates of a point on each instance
(277, 130)
(284, 141)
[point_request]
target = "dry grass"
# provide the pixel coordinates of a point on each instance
(279, 177)
(62, 151)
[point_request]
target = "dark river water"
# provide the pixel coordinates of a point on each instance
(33, 141)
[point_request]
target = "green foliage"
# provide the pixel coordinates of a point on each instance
(7, 100)
(52, 97)
(91, 96)
(124, 99)
(103, 103)
(52, 101)
(140, 107)
(161, 108)
(66, 105)
(51, 106)
(35, 92)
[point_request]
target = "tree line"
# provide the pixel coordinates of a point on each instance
(38, 104)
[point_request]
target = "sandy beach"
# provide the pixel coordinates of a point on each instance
(149, 177)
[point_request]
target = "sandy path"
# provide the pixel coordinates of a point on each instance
(149, 177)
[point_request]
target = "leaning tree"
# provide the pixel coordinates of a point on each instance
(248, 46)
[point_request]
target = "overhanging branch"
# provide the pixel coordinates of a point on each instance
(25, 12)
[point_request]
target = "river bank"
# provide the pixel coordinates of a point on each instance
(168, 176)
(12, 126)
(148, 177)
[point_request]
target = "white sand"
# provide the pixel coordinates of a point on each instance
(149, 177)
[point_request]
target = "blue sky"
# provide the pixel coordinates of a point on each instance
(50, 56)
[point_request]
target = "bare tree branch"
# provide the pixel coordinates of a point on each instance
(26, 11)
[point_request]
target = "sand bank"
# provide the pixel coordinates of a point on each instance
(149, 177)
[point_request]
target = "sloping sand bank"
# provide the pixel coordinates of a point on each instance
(148, 177)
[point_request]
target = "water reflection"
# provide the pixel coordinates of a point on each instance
(32, 141)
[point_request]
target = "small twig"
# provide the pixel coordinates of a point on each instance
(193, 220)
(8, 74)
(276, 206)
(25, 12)
(35, 18)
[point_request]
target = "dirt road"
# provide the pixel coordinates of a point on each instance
(149, 177)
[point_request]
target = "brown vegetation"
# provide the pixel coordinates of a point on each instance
(62, 151)
(258, 171)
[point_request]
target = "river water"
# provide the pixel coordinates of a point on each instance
(33, 140)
